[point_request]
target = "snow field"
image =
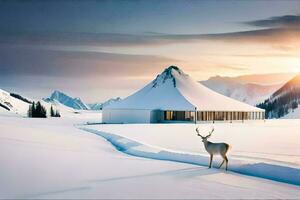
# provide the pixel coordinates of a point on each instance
(53, 159)
(258, 169)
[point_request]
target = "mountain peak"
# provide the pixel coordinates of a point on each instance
(56, 94)
(63, 98)
(168, 74)
(172, 68)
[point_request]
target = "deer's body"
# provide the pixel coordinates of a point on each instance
(215, 149)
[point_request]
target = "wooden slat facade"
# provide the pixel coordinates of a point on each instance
(213, 115)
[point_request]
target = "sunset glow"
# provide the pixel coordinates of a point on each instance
(149, 99)
(139, 40)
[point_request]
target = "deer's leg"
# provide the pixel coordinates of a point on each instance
(226, 162)
(222, 163)
(211, 158)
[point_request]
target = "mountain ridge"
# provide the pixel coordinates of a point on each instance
(67, 100)
(100, 106)
(284, 100)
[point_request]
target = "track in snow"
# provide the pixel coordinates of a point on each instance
(258, 169)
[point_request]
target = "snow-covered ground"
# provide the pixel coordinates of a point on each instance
(53, 158)
(275, 141)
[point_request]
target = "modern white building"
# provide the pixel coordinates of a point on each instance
(174, 96)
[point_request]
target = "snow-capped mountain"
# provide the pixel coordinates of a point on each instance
(175, 90)
(100, 106)
(66, 100)
(285, 101)
(12, 104)
(246, 92)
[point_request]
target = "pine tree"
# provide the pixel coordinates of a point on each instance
(29, 112)
(37, 110)
(52, 112)
(33, 110)
(43, 111)
(57, 114)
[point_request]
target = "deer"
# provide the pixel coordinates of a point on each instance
(214, 148)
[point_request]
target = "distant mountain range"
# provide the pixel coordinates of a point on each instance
(279, 100)
(285, 101)
(77, 103)
(100, 106)
(12, 103)
(233, 87)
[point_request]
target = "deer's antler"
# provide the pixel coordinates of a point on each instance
(210, 132)
(197, 130)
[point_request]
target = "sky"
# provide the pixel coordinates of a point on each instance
(96, 50)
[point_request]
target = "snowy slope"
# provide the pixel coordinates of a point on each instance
(52, 159)
(66, 100)
(246, 92)
(292, 85)
(13, 104)
(19, 107)
(284, 101)
(252, 152)
(175, 90)
(63, 110)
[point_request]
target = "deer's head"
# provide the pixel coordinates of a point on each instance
(204, 138)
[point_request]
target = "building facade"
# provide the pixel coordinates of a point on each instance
(174, 97)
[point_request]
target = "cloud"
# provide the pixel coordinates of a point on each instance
(282, 32)
(85, 73)
(274, 36)
(233, 68)
(43, 62)
(264, 55)
(80, 38)
(276, 30)
(222, 36)
(278, 21)
(127, 40)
